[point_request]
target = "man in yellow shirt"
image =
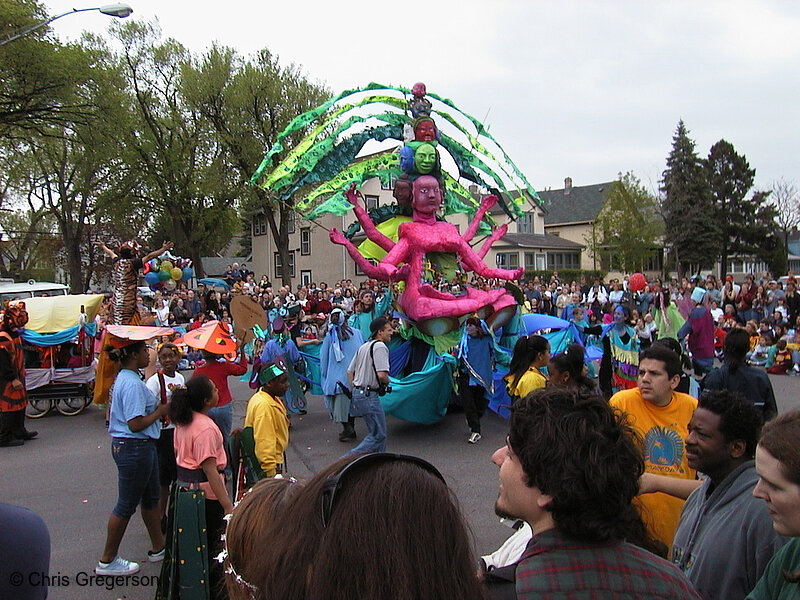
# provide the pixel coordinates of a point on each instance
(661, 416)
(266, 414)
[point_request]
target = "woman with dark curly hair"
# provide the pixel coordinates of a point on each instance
(570, 469)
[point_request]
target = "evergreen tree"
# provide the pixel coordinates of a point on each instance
(691, 231)
(746, 224)
(730, 178)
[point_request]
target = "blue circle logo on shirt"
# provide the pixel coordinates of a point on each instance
(663, 447)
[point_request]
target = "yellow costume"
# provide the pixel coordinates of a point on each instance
(267, 416)
(531, 380)
(664, 430)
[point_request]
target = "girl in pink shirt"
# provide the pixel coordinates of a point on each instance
(200, 457)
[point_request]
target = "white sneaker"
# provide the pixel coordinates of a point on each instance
(155, 557)
(118, 566)
(474, 438)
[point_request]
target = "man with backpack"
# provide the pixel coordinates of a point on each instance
(369, 378)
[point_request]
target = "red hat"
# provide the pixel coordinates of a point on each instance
(729, 278)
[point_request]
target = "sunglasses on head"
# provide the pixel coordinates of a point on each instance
(334, 485)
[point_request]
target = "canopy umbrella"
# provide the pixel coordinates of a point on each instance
(51, 314)
(535, 322)
(213, 281)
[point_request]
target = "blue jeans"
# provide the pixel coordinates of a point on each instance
(137, 475)
(223, 417)
(375, 419)
(702, 366)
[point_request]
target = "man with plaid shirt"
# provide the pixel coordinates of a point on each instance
(570, 468)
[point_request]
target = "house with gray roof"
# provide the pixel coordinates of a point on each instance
(571, 214)
(527, 243)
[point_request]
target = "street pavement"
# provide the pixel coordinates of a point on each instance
(68, 477)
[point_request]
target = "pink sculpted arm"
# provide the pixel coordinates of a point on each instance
(487, 203)
(363, 218)
(498, 233)
(385, 270)
(472, 261)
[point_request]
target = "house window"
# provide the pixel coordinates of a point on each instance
(390, 184)
(530, 260)
(507, 260)
(305, 277)
(259, 224)
(360, 272)
(371, 202)
(291, 224)
(563, 260)
(525, 223)
(305, 241)
(279, 266)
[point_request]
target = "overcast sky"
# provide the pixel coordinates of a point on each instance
(582, 89)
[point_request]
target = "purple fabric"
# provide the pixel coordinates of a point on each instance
(701, 338)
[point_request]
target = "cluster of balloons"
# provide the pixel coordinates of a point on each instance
(164, 272)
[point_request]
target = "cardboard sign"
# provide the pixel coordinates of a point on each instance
(246, 312)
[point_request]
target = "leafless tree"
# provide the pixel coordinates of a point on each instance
(786, 200)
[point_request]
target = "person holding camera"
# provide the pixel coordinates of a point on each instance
(368, 374)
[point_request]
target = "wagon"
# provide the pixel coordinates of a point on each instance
(58, 343)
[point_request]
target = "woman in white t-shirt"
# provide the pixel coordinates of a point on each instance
(162, 384)
(162, 312)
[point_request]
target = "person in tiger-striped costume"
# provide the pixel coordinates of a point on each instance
(124, 277)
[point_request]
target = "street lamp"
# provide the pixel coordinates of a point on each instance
(114, 10)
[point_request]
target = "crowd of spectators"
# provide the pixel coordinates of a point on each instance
(768, 309)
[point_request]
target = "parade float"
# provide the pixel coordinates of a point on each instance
(411, 241)
(58, 342)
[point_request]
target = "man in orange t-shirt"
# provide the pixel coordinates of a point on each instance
(661, 416)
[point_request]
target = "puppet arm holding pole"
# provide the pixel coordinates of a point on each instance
(487, 203)
(497, 233)
(363, 218)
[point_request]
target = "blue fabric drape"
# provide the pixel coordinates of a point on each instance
(313, 375)
(53, 339)
(422, 397)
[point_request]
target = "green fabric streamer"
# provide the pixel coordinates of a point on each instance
(340, 157)
(482, 131)
(319, 156)
(308, 117)
(441, 343)
(338, 204)
(309, 151)
(352, 173)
